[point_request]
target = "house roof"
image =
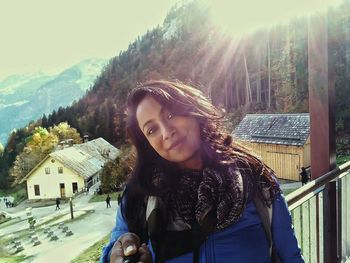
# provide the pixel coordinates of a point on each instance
(286, 129)
(85, 159)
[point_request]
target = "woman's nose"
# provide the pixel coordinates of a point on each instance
(168, 131)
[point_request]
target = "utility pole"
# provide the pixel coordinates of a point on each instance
(71, 208)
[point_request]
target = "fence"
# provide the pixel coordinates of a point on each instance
(321, 216)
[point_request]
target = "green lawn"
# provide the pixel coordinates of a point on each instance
(288, 191)
(11, 258)
(342, 159)
(93, 253)
(102, 198)
(6, 257)
(4, 220)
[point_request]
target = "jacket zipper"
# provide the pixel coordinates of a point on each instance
(209, 250)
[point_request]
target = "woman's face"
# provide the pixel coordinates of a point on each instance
(175, 138)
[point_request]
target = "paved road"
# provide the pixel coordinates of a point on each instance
(292, 185)
(97, 222)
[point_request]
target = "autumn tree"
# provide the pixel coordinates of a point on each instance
(115, 173)
(1, 149)
(40, 144)
(64, 131)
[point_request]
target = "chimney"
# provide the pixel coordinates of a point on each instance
(105, 153)
(62, 144)
(70, 142)
(86, 138)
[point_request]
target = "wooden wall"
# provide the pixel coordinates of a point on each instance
(307, 154)
(285, 160)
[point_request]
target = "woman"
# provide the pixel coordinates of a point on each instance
(193, 193)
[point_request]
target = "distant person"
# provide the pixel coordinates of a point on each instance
(108, 201)
(58, 201)
(119, 199)
(304, 176)
(8, 204)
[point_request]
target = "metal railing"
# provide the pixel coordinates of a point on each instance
(321, 216)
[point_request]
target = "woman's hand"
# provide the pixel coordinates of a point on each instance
(127, 245)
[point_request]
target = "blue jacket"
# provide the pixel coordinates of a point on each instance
(242, 242)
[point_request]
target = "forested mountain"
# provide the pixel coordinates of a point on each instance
(262, 72)
(27, 97)
(18, 89)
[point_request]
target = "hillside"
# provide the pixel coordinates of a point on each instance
(18, 89)
(266, 71)
(28, 97)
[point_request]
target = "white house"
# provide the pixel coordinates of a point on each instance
(69, 169)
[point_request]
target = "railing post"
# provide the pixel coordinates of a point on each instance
(339, 220)
(322, 124)
(321, 98)
(330, 223)
(318, 228)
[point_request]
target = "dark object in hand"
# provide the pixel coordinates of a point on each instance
(132, 258)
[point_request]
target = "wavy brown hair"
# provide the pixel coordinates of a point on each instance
(218, 150)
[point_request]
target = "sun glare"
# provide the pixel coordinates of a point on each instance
(238, 17)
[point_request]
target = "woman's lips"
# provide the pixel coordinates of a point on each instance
(176, 144)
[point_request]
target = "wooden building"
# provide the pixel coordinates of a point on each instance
(281, 140)
(69, 169)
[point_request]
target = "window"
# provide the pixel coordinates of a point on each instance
(47, 170)
(60, 170)
(36, 189)
(75, 187)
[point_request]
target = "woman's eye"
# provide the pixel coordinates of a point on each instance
(170, 115)
(150, 131)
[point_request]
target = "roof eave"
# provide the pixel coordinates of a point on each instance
(35, 167)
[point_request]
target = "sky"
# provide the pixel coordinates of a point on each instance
(51, 35)
(243, 16)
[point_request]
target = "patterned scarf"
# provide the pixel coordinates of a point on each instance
(211, 192)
